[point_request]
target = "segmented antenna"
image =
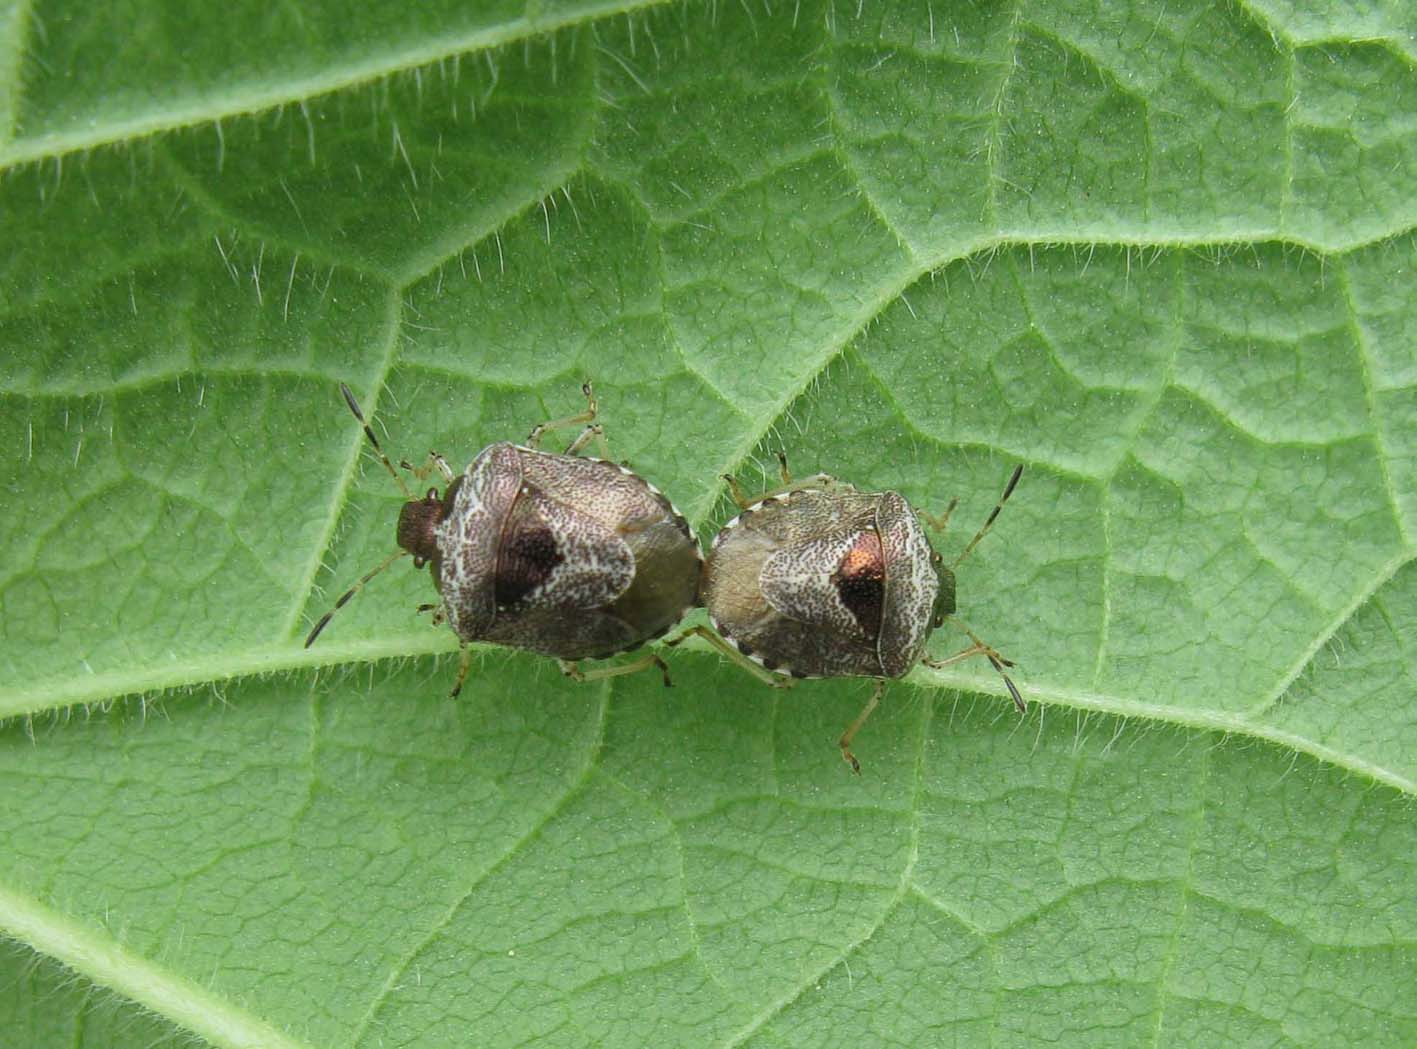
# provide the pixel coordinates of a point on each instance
(993, 515)
(344, 598)
(374, 441)
(999, 663)
(369, 433)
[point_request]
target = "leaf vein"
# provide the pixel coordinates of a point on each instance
(103, 960)
(465, 891)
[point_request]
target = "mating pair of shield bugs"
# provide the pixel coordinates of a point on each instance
(578, 557)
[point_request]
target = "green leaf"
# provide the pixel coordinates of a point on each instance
(1162, 255)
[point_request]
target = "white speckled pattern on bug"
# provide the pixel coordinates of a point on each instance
(469, 535)
(796, 581)
(911, 585)
(596, 564)
(568, 556)
(824, 581)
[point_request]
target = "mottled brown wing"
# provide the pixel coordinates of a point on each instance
(577, 634)
(599, 490)
(800, 582)
(558, 556)
(469, 535)
(911, 585)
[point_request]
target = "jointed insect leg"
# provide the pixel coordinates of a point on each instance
(788, 484)
(540, 430)
(939, 522)
(593, 432)
(433, 462)
(855, 727)
(979, 648)
(763, 674)
(572, 669)
(464, 664)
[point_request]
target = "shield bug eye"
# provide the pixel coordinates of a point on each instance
(818, 579)
(561, 554)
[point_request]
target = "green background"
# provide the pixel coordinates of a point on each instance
(1162, 254)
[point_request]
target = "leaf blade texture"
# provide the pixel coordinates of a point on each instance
(1161, 255)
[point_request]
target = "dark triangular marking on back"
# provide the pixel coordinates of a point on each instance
(527, 556)
(860, 582)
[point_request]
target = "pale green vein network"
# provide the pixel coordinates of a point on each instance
(89, 953)
(306, 588)
(908, 870)
(278, 658)
(1360, 597)
(462, 892)
(1184, 894)
(1365, 361)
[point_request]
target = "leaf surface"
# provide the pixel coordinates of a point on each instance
(1161, 255)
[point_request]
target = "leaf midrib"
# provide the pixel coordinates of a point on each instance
(94, 954)
(255, 97)
(287, 658)
(284, 657)
(106, 962)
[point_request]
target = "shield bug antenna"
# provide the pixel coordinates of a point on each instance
(978, 648)
(373, 441)
(989, 523)
(344, 598)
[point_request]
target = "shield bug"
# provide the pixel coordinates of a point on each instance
(562, 554)
(819, 579)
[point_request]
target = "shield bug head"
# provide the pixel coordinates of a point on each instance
(819, 579)
(562, 554)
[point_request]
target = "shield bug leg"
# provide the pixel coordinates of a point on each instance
(760, 672)
(344, 597)
(979, 648)
(787, 487)
(464, 665)
(540, 430)
(782, 467)
(572, 669)
(846, 737)
(736, 492)
(433, 462)
(593, 432)
(941, 521)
